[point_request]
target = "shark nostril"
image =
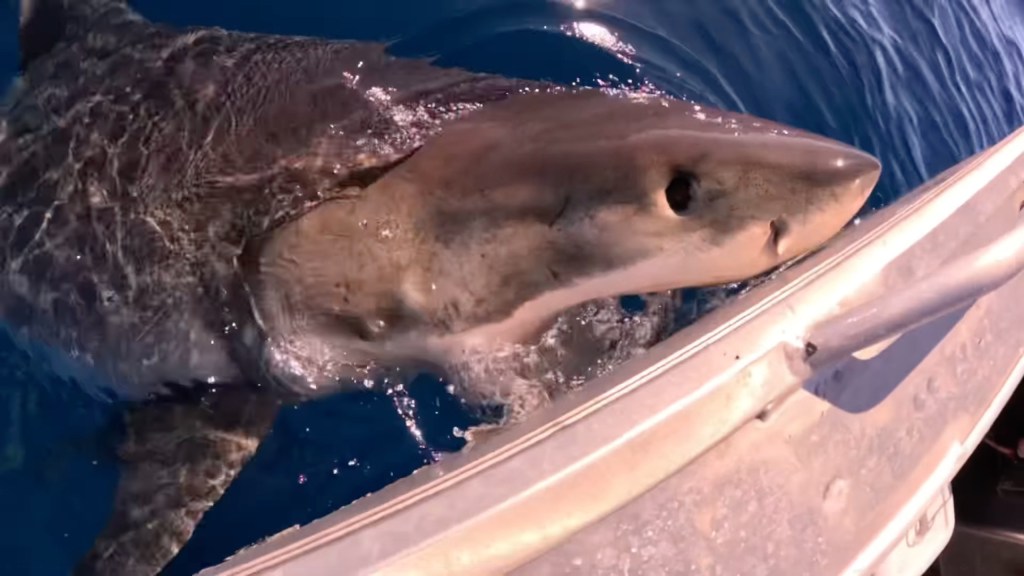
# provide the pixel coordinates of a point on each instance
(680, 191)
(777, 229)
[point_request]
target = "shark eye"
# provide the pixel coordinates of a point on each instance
(680, 191)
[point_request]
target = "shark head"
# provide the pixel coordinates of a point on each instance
(535, 204)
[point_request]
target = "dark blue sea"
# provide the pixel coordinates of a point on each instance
(922, 84)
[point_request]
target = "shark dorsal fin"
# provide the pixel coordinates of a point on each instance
(43, 24)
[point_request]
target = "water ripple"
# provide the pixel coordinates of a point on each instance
(920, 83)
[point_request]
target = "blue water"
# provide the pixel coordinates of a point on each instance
(920, 83)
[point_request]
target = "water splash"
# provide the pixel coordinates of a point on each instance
(584, 342)
(600, 35)
(405, 406)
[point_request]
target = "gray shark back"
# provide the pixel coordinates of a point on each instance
(138, 160)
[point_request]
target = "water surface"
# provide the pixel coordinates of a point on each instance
(921, 84)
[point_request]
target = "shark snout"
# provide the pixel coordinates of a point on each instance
(840, 180)
(859, 170)
(856, 174)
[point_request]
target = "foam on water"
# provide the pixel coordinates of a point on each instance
(582, 344)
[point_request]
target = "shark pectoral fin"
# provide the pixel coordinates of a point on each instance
(178, 459)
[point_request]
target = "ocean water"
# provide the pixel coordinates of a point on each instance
(921, 84)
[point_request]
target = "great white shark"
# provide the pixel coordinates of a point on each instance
(213, 223)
